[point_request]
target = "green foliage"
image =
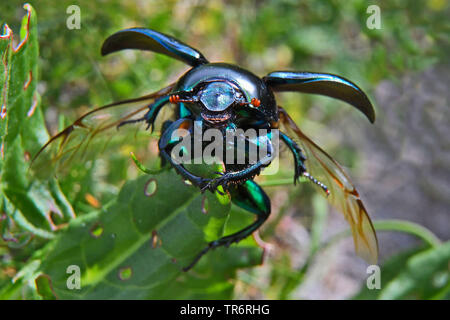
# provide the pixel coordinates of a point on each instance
(136, 246)
(25, 201)
(416, 274)
(129, 245)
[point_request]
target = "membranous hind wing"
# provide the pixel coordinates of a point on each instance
(88, 136)
(343, 195)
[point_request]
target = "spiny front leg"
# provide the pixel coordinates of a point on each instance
(227, 179)
(171, 138)
(153, 111)
(251, 197)
(299, 159)
(155, 108)
(235, 177)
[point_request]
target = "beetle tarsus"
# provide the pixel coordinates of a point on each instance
(197, 258)
(306, 174)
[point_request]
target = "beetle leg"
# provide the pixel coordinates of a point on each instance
(299, 157)
(251, 197)
(166, 143)
(156, 106)
(153, 111)
(228, 178)
(166, 124)
(234, 177)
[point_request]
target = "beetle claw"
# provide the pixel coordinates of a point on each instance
(204, 185)
(213, 184)
(317, 182)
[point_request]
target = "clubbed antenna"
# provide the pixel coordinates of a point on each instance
(314, 180)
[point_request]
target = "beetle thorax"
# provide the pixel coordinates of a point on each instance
(220, 87)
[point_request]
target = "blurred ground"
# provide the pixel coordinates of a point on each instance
(405, 175)
(407, 153)
(406, 158)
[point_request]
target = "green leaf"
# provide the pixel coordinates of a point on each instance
(30, 203)
(418, 274)
(136, 246)
(389, 271)
(420, 278)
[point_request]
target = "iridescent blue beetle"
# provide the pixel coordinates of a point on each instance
(227, 97)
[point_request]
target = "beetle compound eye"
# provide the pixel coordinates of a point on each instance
(217, 96)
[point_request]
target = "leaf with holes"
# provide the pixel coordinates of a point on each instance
(135, 247)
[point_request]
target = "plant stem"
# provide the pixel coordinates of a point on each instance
(408, 227)
(394, 225)
(142, 167)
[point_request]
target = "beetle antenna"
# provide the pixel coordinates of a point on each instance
(314, 180)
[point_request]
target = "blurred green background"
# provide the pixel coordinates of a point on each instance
(400, 165)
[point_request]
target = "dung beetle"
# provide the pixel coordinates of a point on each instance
(227, 97)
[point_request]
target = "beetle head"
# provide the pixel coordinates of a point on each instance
(216, 99)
